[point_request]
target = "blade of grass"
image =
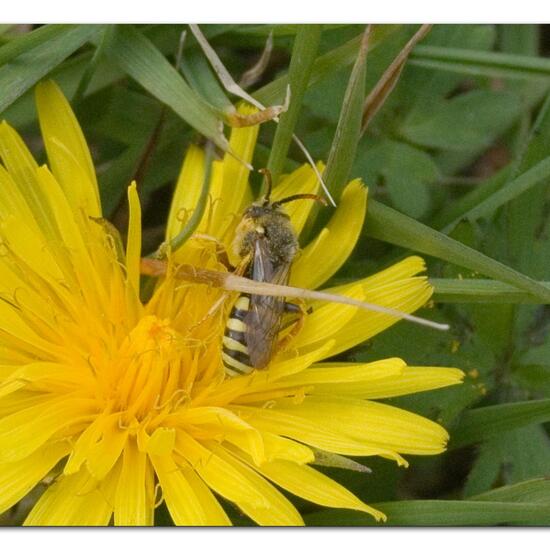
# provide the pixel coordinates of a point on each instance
(304, 51)
(348, 131)
(484, 422)
(106, 37)
(30, 40)
(502, 188)
(531, 491)
(389, 79)
(481, 63)
(534, 176)
(388, 225)
(27, 68)
(198, 73)
(424, 513)
(141, 60)
(189, 228)
(483, 291)
(326, 64)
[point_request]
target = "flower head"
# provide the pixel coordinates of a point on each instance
(126, 403)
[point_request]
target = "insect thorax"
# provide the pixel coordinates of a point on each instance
(269, 223)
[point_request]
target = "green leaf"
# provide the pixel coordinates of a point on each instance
(531, 491)
(466, 122)
(422, 87)
(484, 422)
(348, 131)
(138, 57)
(423, 513)
(304, 51)
(386, 224)
(487, 64)
(406, 171)
(36, 58)
(485, 470)
(482, 291)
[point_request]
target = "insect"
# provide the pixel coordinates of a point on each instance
(267, 244)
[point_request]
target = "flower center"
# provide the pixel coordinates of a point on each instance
(150, 369)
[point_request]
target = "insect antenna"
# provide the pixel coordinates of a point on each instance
(301, 196)
(269, 186)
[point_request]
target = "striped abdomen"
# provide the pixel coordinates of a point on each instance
(235, 355)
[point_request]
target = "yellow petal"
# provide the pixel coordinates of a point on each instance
(183, 503)
(328, 319)
(235, 192)
(325, 255)
(372, 423)
(162, 441)
(85, 443)
(187, 191)
(302, 180)
(311, 431)
(22, 168)
(312, 485)
(394, 287)
(29, 246)
(229, 190)
(277, 447)
(12, 200)
(18, 478)
(68, 153)
(135, 498)
(332, 379)
(49, 377)
(222, 477)
(74, 500)
(133, 247)
(24, 431)
(103, 455)
(411, 380)
(215, 514)
(275, 510)
(282, 366)
(406, 296)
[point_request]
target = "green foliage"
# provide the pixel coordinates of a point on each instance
(457, 162)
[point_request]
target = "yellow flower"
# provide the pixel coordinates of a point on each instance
(125, 404)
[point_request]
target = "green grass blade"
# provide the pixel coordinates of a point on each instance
(190, 227)
(103, 45)
(199, 75)
(481, 63)
(30, 40)
(304, 51)
(32, 64)
(423, 513)
(523, 174)
(348, 131)
(482, 291)
(326, 64)
(388, 225)
(484, 422)
(141, 60)
(531, 491)
(538, 174)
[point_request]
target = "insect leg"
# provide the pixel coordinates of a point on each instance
(296, 324)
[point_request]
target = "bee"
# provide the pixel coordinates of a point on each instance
(267, 244)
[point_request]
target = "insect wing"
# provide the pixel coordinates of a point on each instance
(264, 317)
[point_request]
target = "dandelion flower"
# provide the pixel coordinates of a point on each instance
(125, 404)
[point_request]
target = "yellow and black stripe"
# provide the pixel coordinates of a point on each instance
(235, 355)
